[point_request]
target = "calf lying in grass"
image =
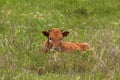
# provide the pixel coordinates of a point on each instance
(55, 42)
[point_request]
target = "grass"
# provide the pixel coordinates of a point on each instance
(96, 22)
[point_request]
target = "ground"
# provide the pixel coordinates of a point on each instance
(94, 21)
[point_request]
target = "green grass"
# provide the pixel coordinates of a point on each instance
(94, 21)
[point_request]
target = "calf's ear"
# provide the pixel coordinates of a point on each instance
(45, 33)
(65, 33)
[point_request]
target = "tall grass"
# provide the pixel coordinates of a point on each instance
(96, 22)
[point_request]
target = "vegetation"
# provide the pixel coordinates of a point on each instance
(94, 21)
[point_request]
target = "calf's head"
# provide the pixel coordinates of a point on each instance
(55, 37)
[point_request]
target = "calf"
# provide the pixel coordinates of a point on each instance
(55, 42)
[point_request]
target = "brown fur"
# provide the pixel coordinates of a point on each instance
(54, 42)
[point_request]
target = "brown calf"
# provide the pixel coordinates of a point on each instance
(55, 42)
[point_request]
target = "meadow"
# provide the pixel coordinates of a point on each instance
(94, 21)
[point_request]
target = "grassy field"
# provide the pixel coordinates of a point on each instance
(94, 21)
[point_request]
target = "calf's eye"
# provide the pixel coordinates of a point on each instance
(50, 39)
